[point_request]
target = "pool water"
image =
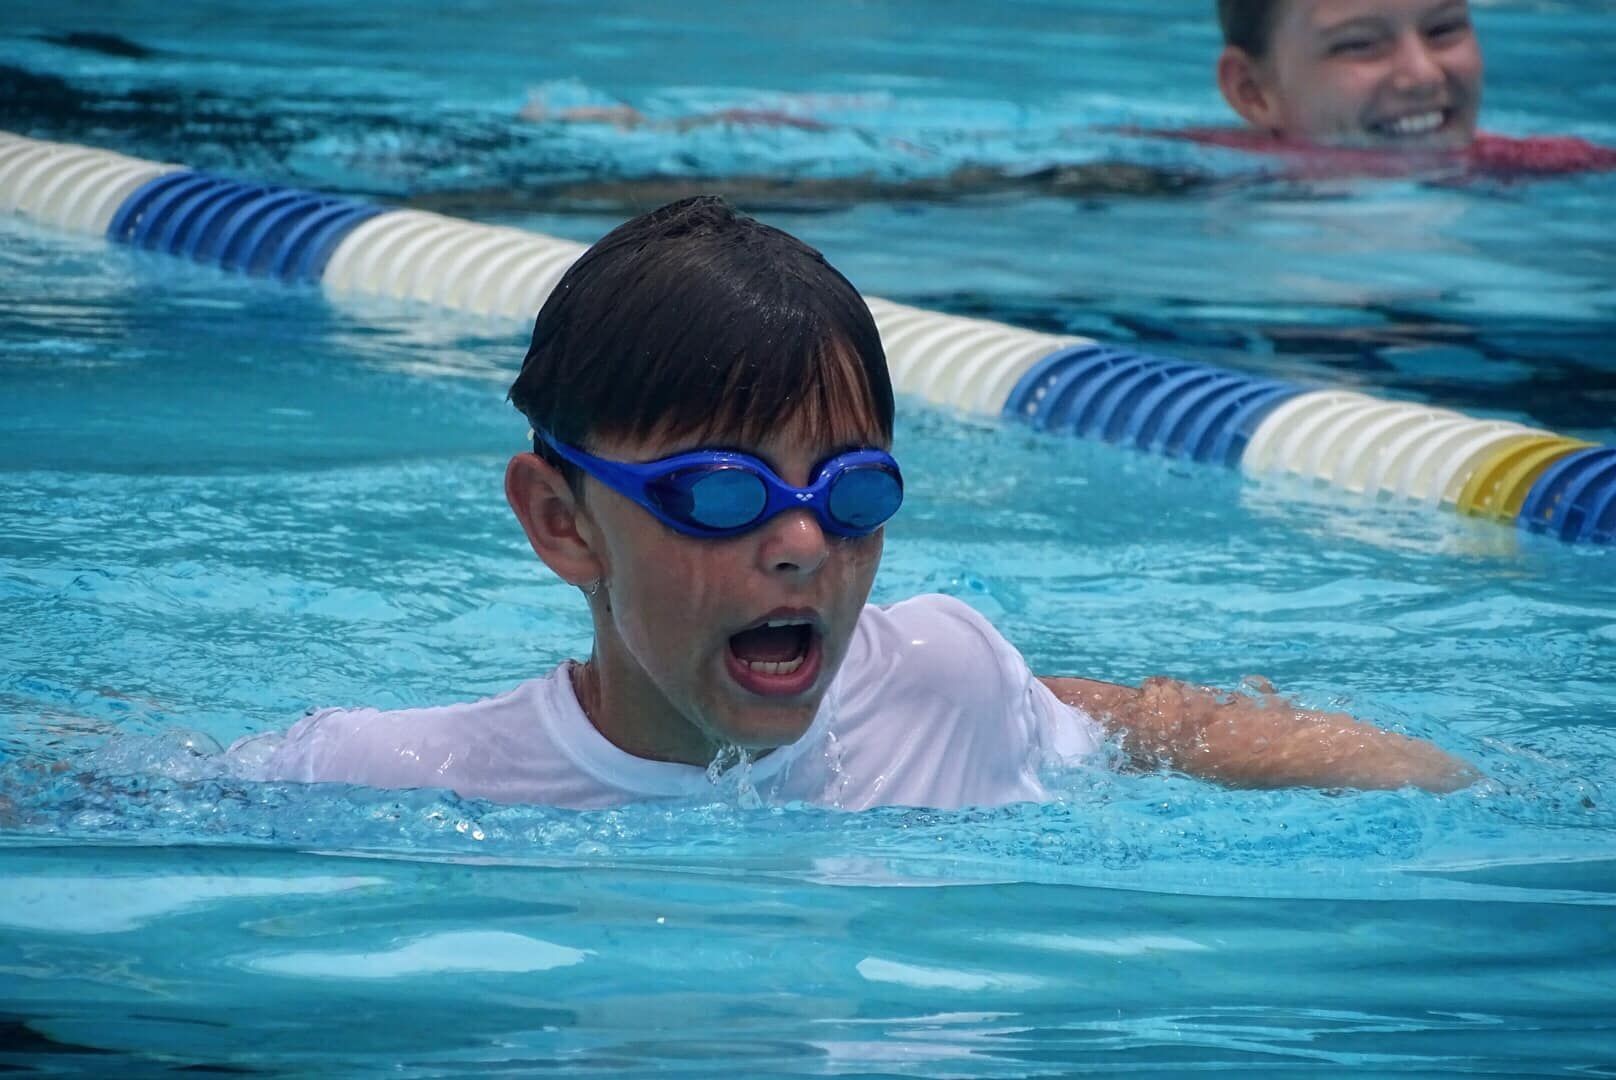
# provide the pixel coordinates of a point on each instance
(223, 501)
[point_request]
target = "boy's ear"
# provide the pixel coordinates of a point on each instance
(1246, 89)
(556, 525)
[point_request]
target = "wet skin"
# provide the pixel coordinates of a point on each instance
(663, 681)
(1376, 74)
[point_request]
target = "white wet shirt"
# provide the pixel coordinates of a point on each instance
(932, 707)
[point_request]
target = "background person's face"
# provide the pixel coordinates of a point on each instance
(1400, 74)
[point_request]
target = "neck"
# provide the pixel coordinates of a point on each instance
(634, 717)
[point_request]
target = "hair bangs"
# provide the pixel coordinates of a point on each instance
(740, 379)
(830, 404)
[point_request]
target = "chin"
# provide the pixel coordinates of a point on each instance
(769, 728)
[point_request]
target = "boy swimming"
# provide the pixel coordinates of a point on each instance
(712, 468)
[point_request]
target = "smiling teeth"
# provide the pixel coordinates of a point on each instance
(776, 667)
(1420, 124)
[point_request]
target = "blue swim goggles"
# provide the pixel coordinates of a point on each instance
(717, 493)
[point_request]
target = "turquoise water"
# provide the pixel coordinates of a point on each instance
(222, 502)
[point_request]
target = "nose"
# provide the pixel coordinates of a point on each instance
(793, 544)
(1415, 70)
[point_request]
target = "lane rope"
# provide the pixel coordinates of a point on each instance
(1494, 469)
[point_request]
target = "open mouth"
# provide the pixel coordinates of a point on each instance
(777, 657)
(1414, 125)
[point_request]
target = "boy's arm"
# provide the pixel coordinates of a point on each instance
(1259, 742)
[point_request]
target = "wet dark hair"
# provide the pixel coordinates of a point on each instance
(1249, 24)
(696, 320)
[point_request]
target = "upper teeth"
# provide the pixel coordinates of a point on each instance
(776, 667)
(1418, 124)
(786, 622)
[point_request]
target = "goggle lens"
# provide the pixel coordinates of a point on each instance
(712, 498)
(865, 497)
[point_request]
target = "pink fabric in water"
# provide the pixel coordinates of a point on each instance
(1495, 156)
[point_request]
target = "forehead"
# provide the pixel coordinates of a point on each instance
(1317, 16)
(808, 431)
(807, 434)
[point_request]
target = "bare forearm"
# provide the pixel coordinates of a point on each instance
(1261, 741)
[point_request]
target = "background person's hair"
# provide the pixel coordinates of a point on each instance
(696, 320)
(1249, 24)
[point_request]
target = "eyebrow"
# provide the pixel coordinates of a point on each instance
(1356, 22)
(1452, 7)
(1443, 8)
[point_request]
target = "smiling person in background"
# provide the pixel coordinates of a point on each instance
(1369, 74)
(1341, 82)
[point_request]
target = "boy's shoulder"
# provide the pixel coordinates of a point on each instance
(463, 745)
(932, 661)
(934, 707)
(937, 637)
